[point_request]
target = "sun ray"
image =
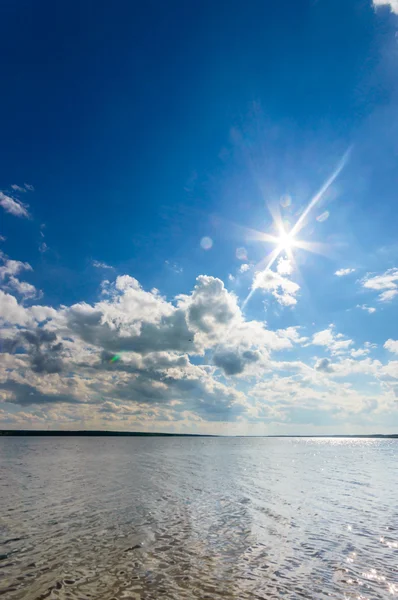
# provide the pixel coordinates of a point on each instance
(286, 240)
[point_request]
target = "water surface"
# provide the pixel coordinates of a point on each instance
(147, 518)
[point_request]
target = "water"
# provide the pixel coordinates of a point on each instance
(148, 518)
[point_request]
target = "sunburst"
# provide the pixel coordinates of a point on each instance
(285, 241)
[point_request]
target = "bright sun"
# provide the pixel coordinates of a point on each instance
(285, 241)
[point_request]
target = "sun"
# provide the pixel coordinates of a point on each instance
(285, 241)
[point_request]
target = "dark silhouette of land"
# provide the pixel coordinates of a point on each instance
(91, 433)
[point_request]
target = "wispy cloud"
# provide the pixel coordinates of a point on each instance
(283, 289)
(393, 4)
(100, 265)
(13, 206)
(343, 272)
(369, 309)
(173, 266)
(18, 188)
(386, 283)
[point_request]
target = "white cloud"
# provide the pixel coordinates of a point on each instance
(359, 352)
(100, 265)
(388, 295)
(343, 272)
(391, 346)
(369, 309)
(387, 283)
(243, 268)
(2, 238)
(27, 290)
(11, 312)
(12, 267)
(284, 266)
(393, 4)
(283, 289)
(43, 247)
(332, 341)
(18, 188)
(174, 266)
(13, 206)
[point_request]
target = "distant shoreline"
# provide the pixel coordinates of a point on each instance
(90, 433)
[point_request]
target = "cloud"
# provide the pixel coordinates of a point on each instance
(18, 188)
(343, 272)
(387, 283)
(2, 238)
(25, 394)
(8, 270)
(388, 295)
(369, 309)
(243, 268)
(13, 206)
(100, 265)
(334, 343)
(29, 187)
(12, 267)
(11, 312)
(42, 347)
(391, 346)
(173, 266)
(27, 290)
(392, 4)
(43, 247)
(324, 365)
(233, 361)
(210, 308)
(283, 289)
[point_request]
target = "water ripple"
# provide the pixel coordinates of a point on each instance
(182, 518)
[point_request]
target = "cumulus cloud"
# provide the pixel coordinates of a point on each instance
(27, 290)
(11, 312)
(324, 365)
(343, 272)
(392, 4)
(391, 346)
(386, 283)
(12, 267)
(335, 343)
(283, 289)
(243, 268)
(25, 394)
(8, 270)
(184, 359)
(233, 361)
(42, 348)
(13, 206)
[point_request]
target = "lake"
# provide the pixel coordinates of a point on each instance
(144, 518)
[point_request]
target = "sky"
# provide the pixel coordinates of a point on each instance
(198, 216)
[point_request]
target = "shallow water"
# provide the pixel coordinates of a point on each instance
(142, 518)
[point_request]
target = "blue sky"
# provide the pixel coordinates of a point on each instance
(162, 166)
